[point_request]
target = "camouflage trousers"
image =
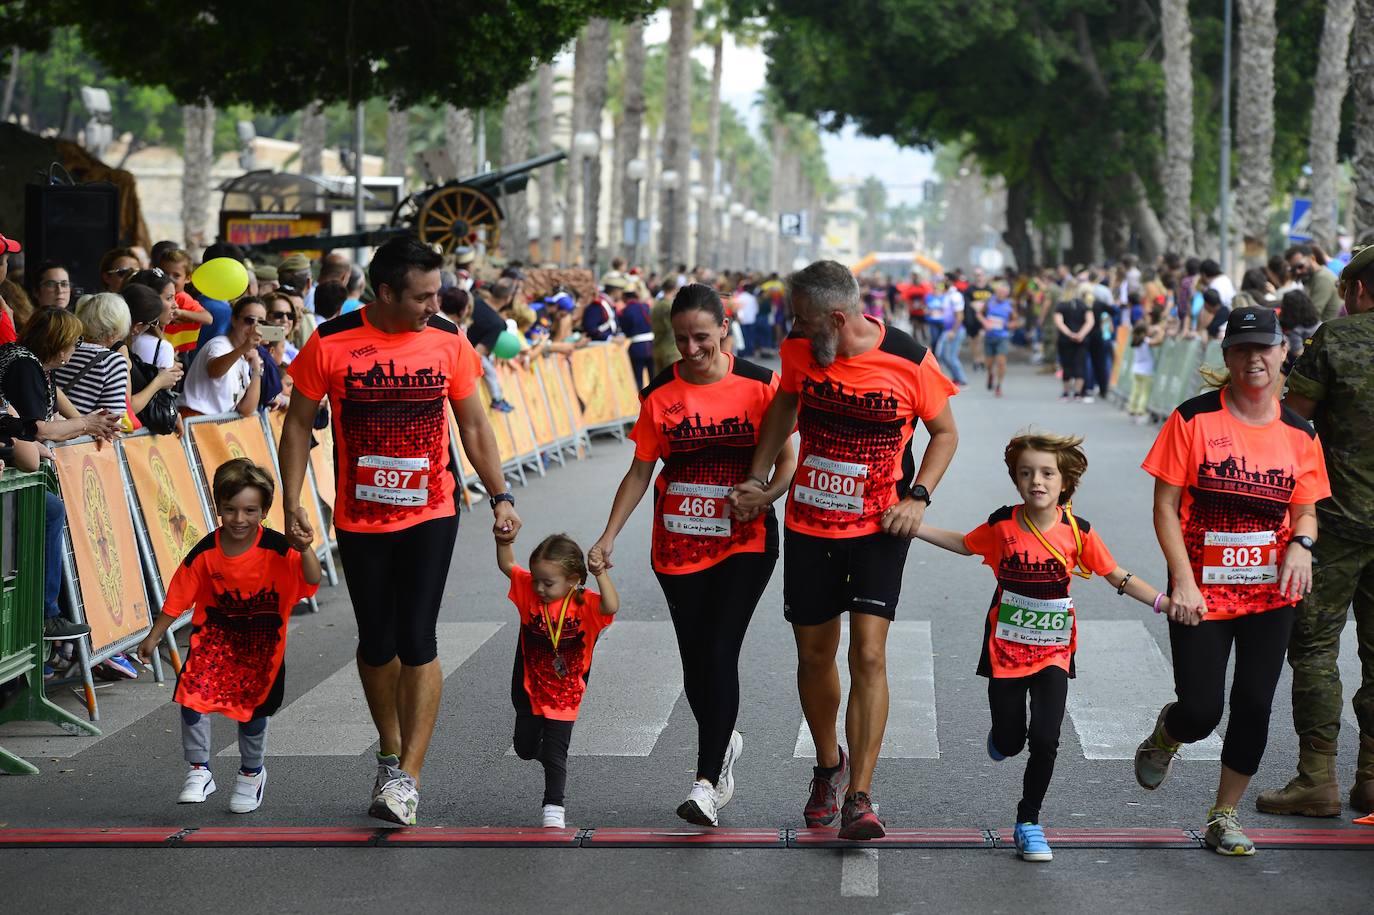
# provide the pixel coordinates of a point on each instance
(1342, 575)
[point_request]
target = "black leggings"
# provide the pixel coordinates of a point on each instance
(1070, 358)
(1048, 690)
(1200, 653)
(711, 610)
(545, 739)
(396, 582)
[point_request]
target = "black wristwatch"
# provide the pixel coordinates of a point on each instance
(502, 497)
(919, 493)
(1303, 541)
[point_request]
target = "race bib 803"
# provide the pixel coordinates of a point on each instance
(1240, 559)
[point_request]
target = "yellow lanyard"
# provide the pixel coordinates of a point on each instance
(1081, 570)
(555, 634)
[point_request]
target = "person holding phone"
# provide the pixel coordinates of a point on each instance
(227, 372)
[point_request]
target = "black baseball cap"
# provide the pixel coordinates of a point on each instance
(1252, 324)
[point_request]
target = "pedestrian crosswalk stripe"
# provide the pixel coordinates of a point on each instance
(1123, 681)
(1349, 663)
(332, 718)
(911, 725)
(635, 681)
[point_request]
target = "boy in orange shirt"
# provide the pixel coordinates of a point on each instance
(243, 580)
(1031, 632)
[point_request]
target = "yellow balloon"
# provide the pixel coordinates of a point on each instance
(221, 278)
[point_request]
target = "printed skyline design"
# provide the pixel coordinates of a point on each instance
(831, 396)
(382, 383)
(1230, 476)
(691, 432)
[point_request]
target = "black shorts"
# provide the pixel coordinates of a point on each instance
(823, 577)
(396, 583)
(1070, 358)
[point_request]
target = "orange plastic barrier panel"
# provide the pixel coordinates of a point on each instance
(218, 443)
(163, 484)
(592, 382)
(505, 444)
(536, 407)
(277, 420)
(109, 574)
(522, 433)
(623, 380)
(546, 373)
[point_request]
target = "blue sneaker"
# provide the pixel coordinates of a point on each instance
(992, 750)
(1030, 843)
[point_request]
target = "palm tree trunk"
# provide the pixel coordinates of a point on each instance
(397, 140)
(546, 176)
(654, 159)
(198, 129)
(706, 229)
(1178, 125)
(630, 126)
(572, 177)
(598, 49)
(1328, 94)
(677, 131)
(458, 137)
(1362, 78)
(1255, 126)
(515, 147)
(312, 139)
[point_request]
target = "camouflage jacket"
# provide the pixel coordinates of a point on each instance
(1336, 370)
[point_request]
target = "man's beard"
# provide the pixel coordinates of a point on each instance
(823, 348)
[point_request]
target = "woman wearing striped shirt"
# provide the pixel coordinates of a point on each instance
(97, 377)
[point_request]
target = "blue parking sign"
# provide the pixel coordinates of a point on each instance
(1300, 223)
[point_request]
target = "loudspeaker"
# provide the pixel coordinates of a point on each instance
(71, 224)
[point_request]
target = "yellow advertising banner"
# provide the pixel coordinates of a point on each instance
(276, 419)
(546, 372)
(623, 380)
(522, 434)
(162, 483)
(108, 573)
(218, 443)
(536, 408)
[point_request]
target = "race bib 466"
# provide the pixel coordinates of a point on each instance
(697, 510)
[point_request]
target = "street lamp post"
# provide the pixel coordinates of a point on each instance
(751, 218)
(587, 145)
(736, 213)
(635, 170)
(717, 216)
(670, 180)
(1223, 227)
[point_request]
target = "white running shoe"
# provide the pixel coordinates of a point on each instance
(388, 767)
(553, 817)
(248, 789)
(725, 785)
(199, 785)
(397, 802)
(1088, 398)
(700, 806)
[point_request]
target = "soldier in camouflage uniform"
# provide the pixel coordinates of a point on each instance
(1333, 384)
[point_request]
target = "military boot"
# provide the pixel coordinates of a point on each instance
(1313, 792)
(1362, 793)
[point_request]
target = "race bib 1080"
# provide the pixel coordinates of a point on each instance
(836, 486)
(1035, 622)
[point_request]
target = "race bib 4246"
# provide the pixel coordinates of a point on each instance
(1034, 622)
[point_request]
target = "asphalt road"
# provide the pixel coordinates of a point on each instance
(131, 776)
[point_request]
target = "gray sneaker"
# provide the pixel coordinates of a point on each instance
(397, 802)
(1224, 835)
(388, 768)
(1154, 758)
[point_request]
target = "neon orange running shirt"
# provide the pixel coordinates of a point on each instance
(238, 630)
(551, 695)
(1027, 627)
(386, 397)
(856, 418)
(705, 435)
(1238, 481)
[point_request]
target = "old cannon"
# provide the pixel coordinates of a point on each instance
(278, 212)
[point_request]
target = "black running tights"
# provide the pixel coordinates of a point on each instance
(1200, 653)
(1048, 690)
(545, 739)
(711, 610)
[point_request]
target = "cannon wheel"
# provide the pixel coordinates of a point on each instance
(455, 215)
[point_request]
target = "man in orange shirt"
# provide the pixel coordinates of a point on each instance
(387, 369)
(854, 388)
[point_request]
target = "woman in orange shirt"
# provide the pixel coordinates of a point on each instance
(1237, 477)
(700, 417)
